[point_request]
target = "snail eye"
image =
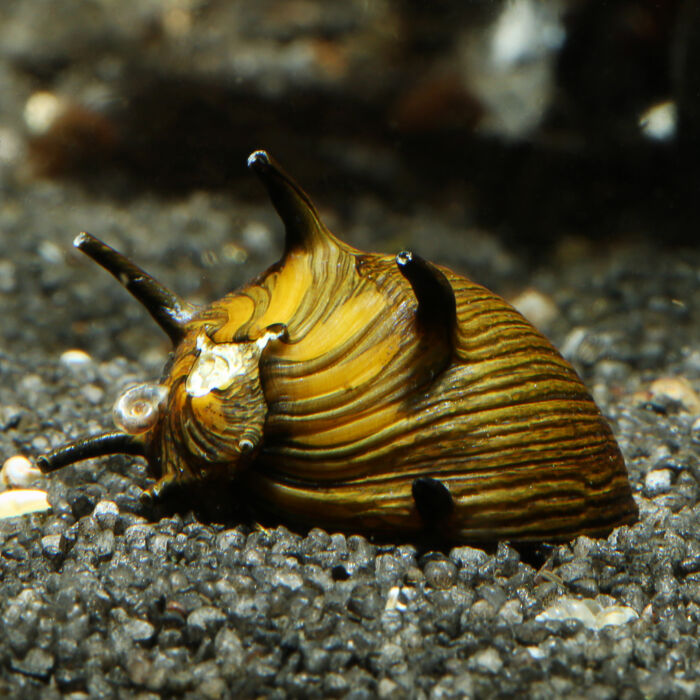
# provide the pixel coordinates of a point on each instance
(245, 446)
(139, 408)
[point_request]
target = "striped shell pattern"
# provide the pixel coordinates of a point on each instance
(369, 393)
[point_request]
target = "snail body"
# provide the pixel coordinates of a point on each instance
(368, 393)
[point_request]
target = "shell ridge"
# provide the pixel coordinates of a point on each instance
(496, 465)
(409, 426)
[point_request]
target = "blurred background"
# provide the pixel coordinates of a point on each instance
(539, 118)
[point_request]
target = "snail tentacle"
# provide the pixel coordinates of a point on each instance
(304, 229)
(437, 307)
(170, 312)
(97, 446)
(433, 501)
(436, 313)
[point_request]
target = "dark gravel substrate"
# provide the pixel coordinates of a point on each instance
(104, 598)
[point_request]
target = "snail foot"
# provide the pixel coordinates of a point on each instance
(156, 492)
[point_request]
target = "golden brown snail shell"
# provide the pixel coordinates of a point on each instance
(369, 393)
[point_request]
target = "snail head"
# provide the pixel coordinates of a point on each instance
(206, 416)
(205, 419)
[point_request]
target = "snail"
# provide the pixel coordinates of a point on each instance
(366, 393)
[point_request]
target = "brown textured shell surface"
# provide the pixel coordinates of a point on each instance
(373, 394)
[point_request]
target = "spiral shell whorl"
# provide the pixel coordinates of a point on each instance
(140, 408)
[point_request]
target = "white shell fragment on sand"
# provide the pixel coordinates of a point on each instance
(589, 612)
(22, 501)
(677, 389)
(18, 472)
(75, 358)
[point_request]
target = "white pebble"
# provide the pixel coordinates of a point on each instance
(657, 481)
(42, 110)
(659, 121)
(573, 342)
(93, 393)
(392, 600)
(677, 389)
(22, 501)
(106, 513)
(287, 579)
(536, 653)
(537, 307)
(17, 472)
(257, 237)
(50, 252)
(74, 358)
(488, 660)
(511, 612)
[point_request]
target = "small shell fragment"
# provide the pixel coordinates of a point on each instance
(393, 601)
(138, 408)
(22, 501)
(677, 389)
(589, 612)
(18, 472)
